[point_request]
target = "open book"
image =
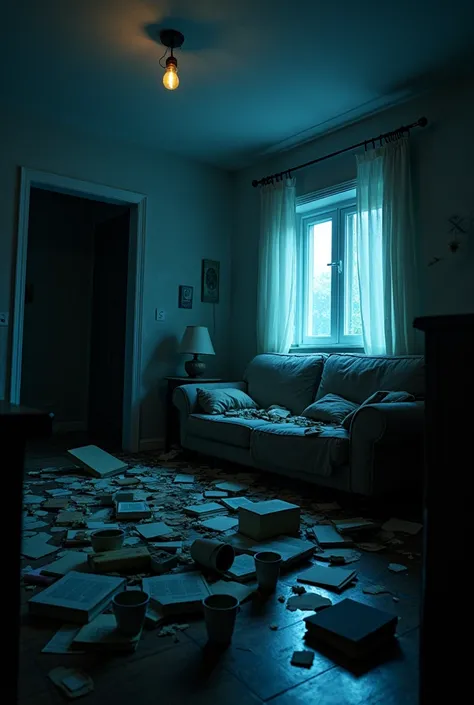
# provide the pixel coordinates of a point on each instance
(178, 592)
(78, 597)
(290, 548)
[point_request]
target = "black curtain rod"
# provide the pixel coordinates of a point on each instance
(422, 122)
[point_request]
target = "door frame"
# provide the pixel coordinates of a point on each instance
(32, 178)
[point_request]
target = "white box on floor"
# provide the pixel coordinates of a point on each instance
(263, 520)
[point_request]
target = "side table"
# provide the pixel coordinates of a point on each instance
(172, 414)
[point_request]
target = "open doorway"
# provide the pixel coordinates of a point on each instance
(76, 335)
(75, 314)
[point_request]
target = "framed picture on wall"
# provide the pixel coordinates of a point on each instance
(185, 299)
(210, 281)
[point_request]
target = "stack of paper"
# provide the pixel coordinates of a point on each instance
(232, 487)
(331, 578)
(203, 511)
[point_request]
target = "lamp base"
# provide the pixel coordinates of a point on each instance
(195, 367)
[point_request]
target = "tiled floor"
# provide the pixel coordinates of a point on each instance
(256, 668)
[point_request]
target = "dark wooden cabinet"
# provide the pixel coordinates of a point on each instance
(446, 613)
(18, 424)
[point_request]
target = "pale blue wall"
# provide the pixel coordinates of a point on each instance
(188, 218)
(443, 156)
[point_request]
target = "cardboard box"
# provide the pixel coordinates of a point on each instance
(263, 520)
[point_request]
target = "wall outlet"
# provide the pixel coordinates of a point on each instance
(160, 315)
(3, 319)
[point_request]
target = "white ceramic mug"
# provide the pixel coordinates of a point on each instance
(213, 554)
(267, 567)
(220, 612)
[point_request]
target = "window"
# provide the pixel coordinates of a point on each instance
(328, 301)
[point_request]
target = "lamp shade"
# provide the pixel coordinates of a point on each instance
(196, 340)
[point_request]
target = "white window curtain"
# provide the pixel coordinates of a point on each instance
(386, 250)
(276, 298)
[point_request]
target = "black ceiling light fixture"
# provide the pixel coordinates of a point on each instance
(172, 39)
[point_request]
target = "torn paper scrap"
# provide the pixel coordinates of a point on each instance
(397, 567)
(309, 601)
(62, 640)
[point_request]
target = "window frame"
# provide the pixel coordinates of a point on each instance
(337, 212)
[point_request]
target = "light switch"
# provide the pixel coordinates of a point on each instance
(160, 315)
(4, 319)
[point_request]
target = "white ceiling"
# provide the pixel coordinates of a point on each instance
(254, 73)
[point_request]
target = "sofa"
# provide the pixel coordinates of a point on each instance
(380, 453)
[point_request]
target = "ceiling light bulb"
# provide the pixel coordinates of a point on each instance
(170, 77)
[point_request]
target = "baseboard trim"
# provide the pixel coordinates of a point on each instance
(68, 426)
(152, 443)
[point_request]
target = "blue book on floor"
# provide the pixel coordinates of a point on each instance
(351, 627)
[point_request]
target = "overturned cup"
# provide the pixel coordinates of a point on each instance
(212, 554)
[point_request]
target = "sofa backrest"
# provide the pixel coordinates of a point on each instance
(288, 380)
(356, 377)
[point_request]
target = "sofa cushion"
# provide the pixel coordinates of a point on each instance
(216, 401)
(285, 447)
(288, 380)
(378, 398)
(231, 431)
(331, 409)
(356, 377)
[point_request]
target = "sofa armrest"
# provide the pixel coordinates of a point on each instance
(376, 422)
(185, 397)
(386, 452)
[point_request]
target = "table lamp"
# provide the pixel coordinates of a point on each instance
(196, 341)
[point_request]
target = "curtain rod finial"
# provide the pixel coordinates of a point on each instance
(422, 122)
(255, 183)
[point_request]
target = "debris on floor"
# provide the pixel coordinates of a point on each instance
(162, 505)
(302, 658)
(71, 681)
(397, 567)
(310, 601)
(375, 589)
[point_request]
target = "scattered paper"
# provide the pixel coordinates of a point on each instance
(347, 554)
(397, 567)
(233, 487)
(370, 546)
(375, 589)
(154, 531)
(405, 527)
(101, 525)
(326, 506)
(184, 478)
(237, 590)
(214, 494)
(62, 640)
(38, 546)
(73, 682)
(32, 499)
(34, 525)
(220, 523)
